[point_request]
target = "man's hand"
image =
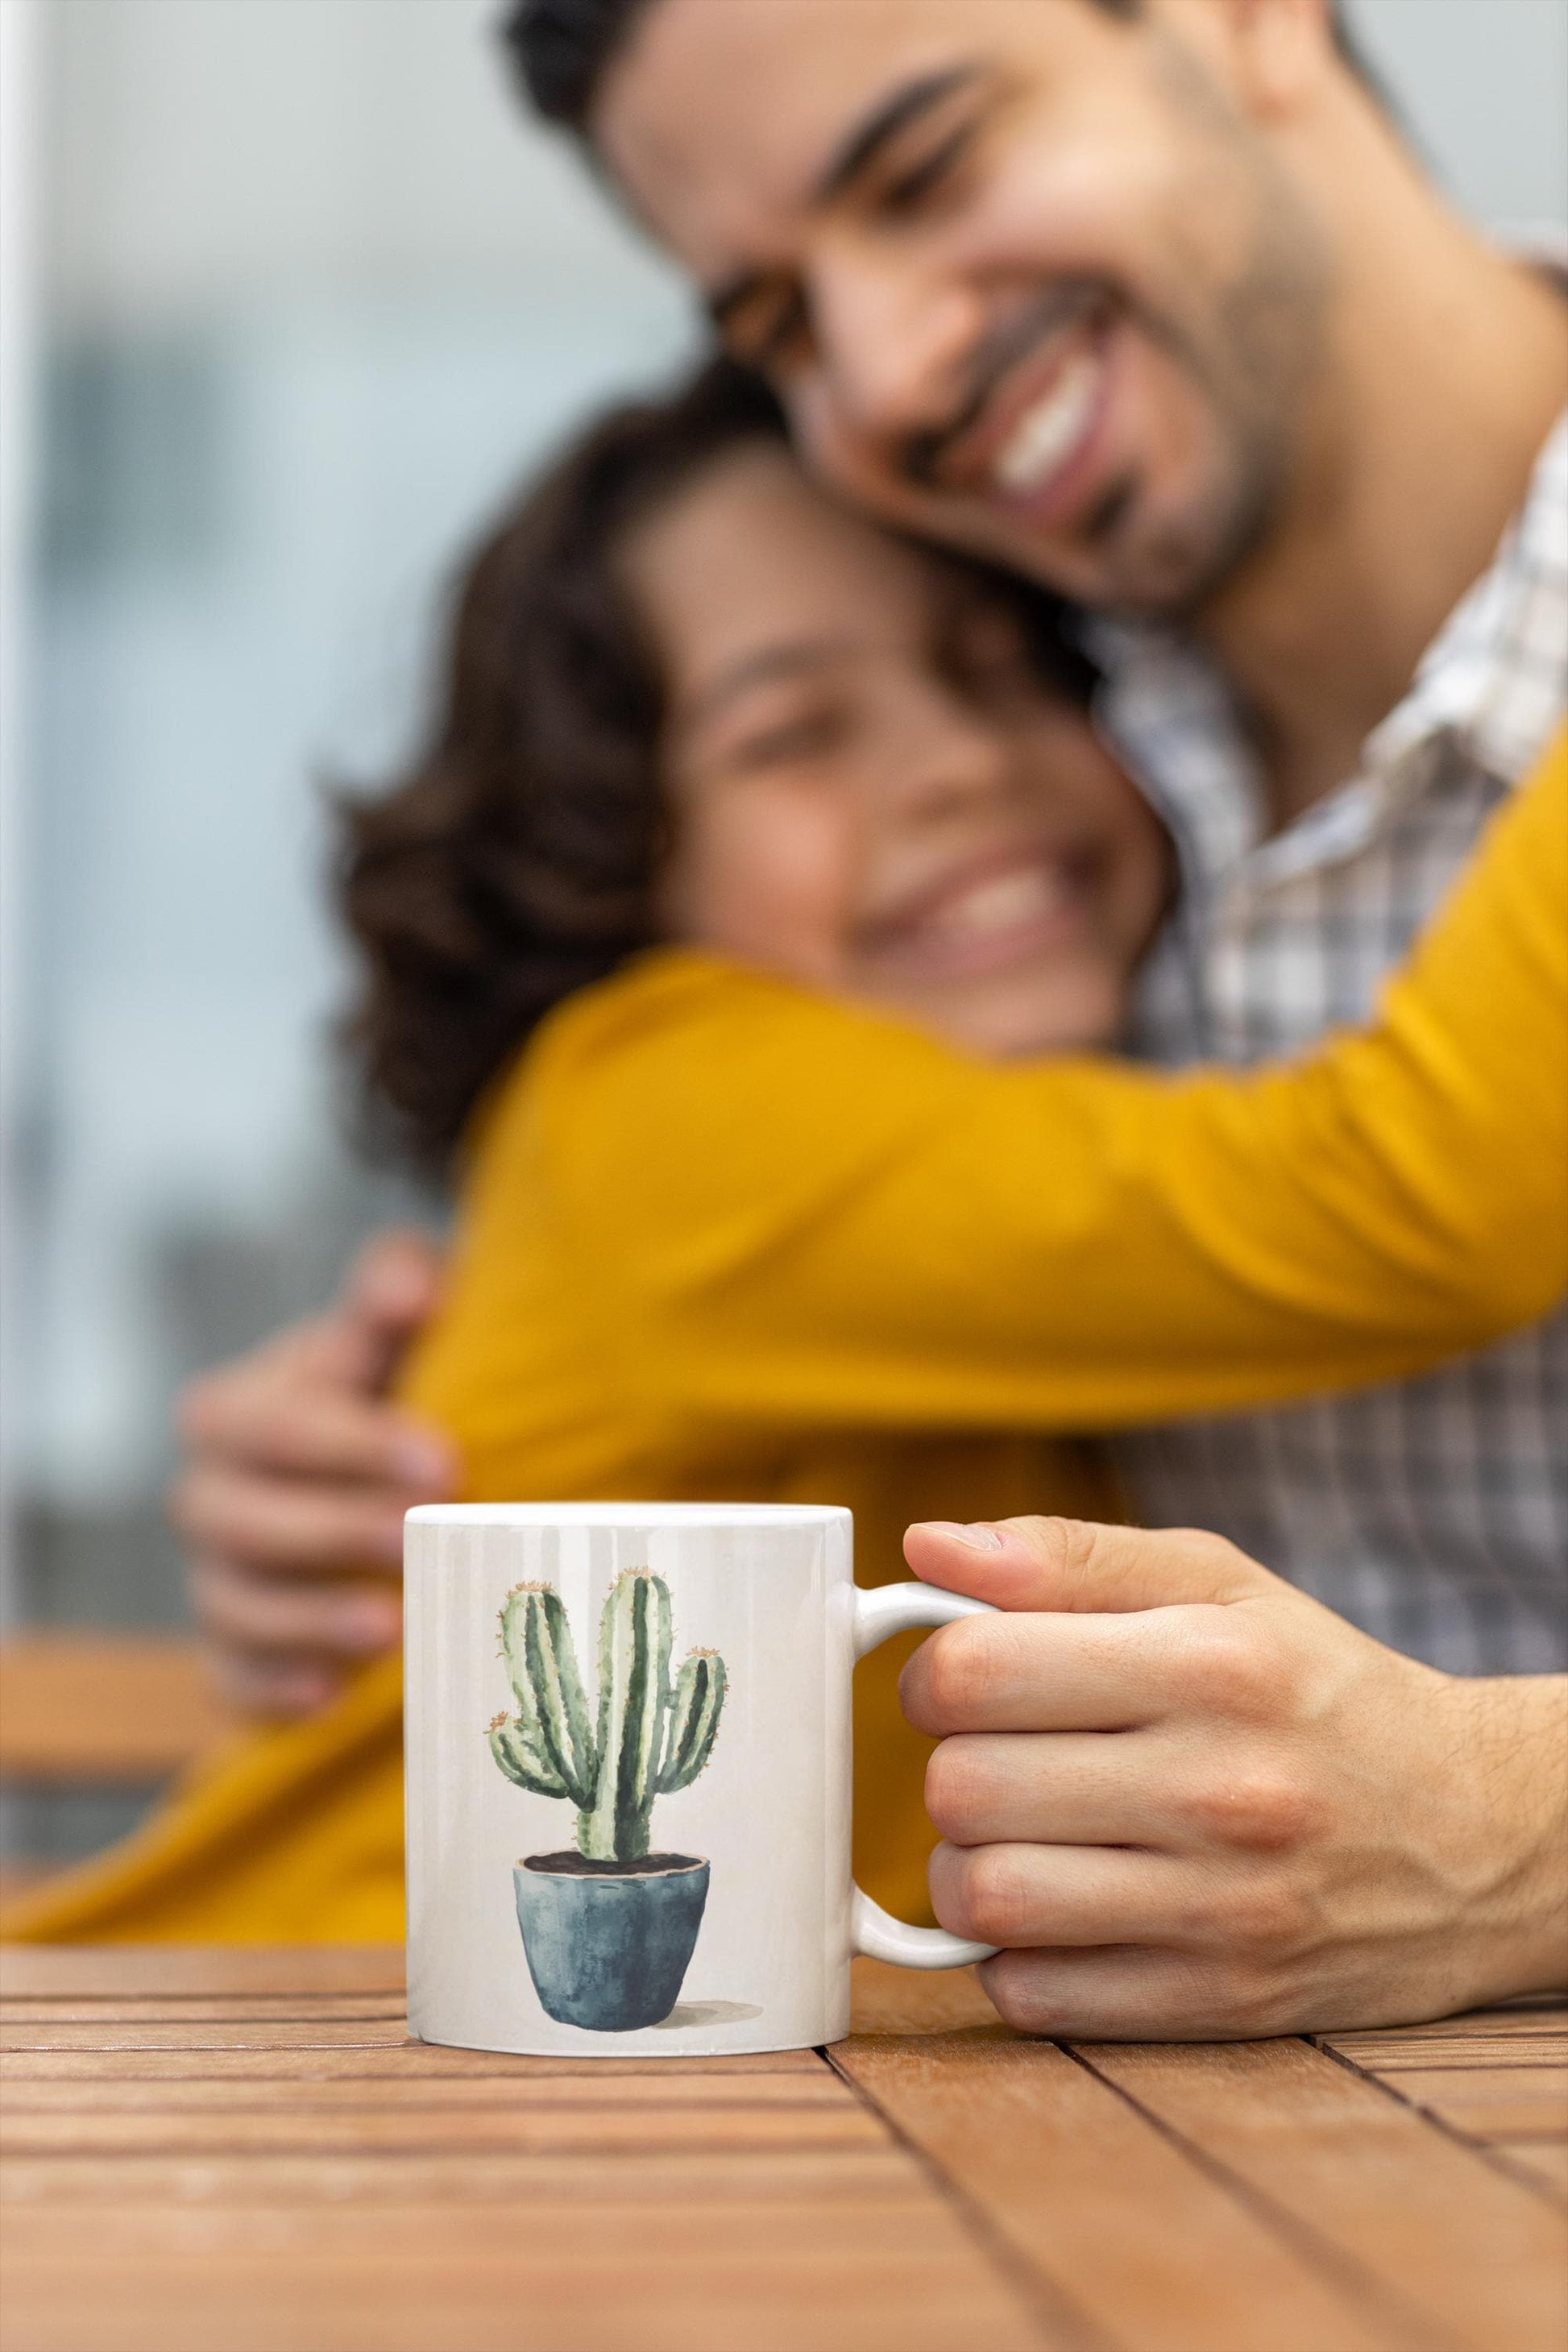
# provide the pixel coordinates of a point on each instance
(1190, 1802)
(296, 1477)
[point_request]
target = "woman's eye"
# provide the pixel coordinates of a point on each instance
(812, 736)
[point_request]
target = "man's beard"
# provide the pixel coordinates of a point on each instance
(1173, 570)
(1253, 360)
(1253, 349)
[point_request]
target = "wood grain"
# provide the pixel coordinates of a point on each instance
(1542, 2016)
(285, 2033)
(408, 2061)
(541, 2093)
(1395, 2054)
(1136, 2241)
(1490, 2102)
(561, 2130)
(885, 1999)
(204, 2008)
(243, 2148)
(604, 2181)
(1427, 2227)
(171, 2131)
(880, 2278)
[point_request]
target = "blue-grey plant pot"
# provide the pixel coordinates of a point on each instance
(610, 1943)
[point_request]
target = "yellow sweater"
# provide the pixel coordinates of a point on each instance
(723, 1239)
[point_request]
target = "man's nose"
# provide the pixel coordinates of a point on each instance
(892, 337)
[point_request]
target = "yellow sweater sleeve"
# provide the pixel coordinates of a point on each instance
(789, 1211)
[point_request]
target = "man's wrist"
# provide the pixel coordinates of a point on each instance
(1517, 1751)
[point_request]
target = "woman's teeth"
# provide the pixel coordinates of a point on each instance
(1051, 430)
(1001, 904)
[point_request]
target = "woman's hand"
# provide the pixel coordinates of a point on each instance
(1191, 1802)
(297, 1475)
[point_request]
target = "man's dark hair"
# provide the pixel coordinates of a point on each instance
(562, 49)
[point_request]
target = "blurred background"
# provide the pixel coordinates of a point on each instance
(290, 293)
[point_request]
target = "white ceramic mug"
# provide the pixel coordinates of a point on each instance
(628, 1776)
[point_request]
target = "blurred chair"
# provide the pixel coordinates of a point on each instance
(102, 1714)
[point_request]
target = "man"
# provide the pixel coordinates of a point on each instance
(1149, 302)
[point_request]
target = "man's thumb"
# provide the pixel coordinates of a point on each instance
(1073, 1564)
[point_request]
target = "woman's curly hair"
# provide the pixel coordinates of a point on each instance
(513, 865)
(517, 861)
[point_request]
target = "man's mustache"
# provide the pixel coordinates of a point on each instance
(1064, 304)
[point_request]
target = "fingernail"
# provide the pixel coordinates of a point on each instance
(422, 1461)
(978, 1536)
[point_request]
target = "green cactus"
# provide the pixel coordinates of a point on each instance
(653, 1736)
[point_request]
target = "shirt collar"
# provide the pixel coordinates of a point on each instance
(1492, 677)
(1492, 681)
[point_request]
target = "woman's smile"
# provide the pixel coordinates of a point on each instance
(873, 786)
(993, 913)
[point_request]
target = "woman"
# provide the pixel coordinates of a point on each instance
(691, 702)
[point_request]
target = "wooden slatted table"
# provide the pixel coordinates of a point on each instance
(240, 2151)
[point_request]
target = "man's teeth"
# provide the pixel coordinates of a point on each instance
(1051, 430)
(1000, 904)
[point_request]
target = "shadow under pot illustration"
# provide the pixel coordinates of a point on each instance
(609, 1928)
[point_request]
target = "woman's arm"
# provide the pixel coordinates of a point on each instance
(789, 1211)
(785, 1210)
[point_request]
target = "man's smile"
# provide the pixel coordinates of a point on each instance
(1032, 442)
(1052, 429)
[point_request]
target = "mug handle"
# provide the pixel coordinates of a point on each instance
(885, 1610)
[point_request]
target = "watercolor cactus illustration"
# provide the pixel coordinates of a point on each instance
(608, 1929)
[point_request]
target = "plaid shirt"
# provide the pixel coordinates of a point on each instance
(1433, 1513)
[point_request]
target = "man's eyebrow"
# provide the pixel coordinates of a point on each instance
(886, 119)
(859, 149)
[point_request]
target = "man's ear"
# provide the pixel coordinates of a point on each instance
(1275, 55)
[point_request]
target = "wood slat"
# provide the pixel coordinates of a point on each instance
(207, 2143)
(885, 1999)
(1433, 2226)
(220, 2104)
(539, 2094)
(898, 2279)
(125, 1971)
(1544, 2016)
(554, 2227)
(1543, 2163)
(324, 2033)
(1389, 2054)
(894, 2303)
(605, 2181)
(410, 2061)
(297, 2129)
(1491, 2102)
(203, 2008)
(1136, 2242)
